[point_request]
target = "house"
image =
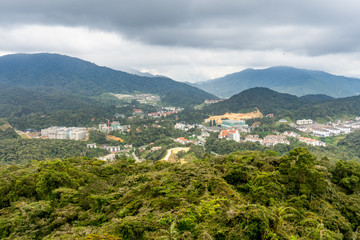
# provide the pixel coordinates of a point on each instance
(137, 111)
(91, 145)
(253, 138)
(181, 140)
(234, 135)
(270, 115)
(344, 129)
(230, 134)
(155, 149)
(332, 130)
(180, 126)
(272, 140)
(310, 141)
(112, 148)
(291, 134)
(304, 121)
(283, 121)
(321, 132)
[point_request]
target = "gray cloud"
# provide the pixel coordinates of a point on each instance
(310, 27)
(188, 40)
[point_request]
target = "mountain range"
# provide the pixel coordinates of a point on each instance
(58, 73)
(290, 80)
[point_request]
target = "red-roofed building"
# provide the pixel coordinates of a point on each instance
(182, 140)
(230, 134)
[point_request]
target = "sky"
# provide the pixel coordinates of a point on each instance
(189, 40)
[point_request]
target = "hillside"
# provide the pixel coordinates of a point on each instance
(31, 108)
(266, 100)
(53, 72)
(290, 80)
(244, 195)
(318, 107)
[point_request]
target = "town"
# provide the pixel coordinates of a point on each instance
(230, 126)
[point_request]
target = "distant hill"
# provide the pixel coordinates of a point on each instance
(318, 107)
(290, 80)
(53, 72)
(266, 100)
(30, 108)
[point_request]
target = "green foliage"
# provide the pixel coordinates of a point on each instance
(9, 133)
(74, 76)
(22, 151)
(243, 195)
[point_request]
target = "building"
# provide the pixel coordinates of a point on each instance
(332, 130)
(182, 140)
(91, 145)
(64, 133)
(304, 121)
(103, 127)
(233, 124)
(283, 121)
(312, 142)
(115, 125)
(272, 140)
(291, 134)
(230, 134)
(321, 132)
(112, 148)
(234, 135)
(77, 134)
(253, 138)
(344, 129)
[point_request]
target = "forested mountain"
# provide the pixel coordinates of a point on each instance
(286, 105)
(58, 73)
(266, 100)
(244, 195)
(30, 108)
(290, 80)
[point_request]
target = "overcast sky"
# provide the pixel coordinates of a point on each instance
(189, 40)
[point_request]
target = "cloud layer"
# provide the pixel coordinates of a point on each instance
(189, 40)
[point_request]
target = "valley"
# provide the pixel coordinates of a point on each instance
(144, 161)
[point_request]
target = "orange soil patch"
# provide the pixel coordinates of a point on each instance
(236, 116)
(111, 137)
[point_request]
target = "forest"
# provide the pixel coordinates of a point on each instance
(242, 195)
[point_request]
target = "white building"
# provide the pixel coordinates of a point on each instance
(91, 145)
(253, 138)
(291, 134)
(333, 131)
(234, 136)
(112, 148)
(78, 134)
(304, 121)
(321, 132)
(344, 129)
(272, 140)
(310, 141)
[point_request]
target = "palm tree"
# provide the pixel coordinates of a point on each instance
(279, 215)
(171, 233)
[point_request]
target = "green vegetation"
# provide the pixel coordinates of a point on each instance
(243, 195)
(283, 79)
(22, 151)
(52, 72)
(287, 106)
